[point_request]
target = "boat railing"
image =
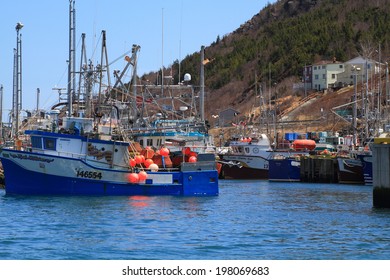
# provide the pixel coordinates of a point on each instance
(198, 166)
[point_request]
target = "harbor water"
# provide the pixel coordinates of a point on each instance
(249, 220)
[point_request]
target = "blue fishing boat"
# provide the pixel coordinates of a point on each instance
(366, 160)
(85, 150)
(284, 169)
(52, 163)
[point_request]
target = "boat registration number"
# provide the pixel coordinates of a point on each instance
(89, 174)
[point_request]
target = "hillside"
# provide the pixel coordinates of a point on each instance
(273, 47)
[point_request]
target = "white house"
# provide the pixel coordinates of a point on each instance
(324, 74)
(365, 69)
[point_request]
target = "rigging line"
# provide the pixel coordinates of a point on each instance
(96, 46)
(121, 56)
(46, 102)
(66, 68)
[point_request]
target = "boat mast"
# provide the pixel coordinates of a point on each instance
(162, 52)
(84, 72)
(134, 61)
(72, 54)
(201, 105)
(104, 67)
(17, 94)
(1, 112)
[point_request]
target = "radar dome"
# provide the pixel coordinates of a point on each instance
(187, 77)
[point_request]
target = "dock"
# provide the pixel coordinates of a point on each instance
(319, 169)
(381, 175)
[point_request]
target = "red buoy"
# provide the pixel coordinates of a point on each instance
(132, 162)
(142, 175)
(164, 151)
(133, 178)
(192, 159)
(139, 159)
(148, 162)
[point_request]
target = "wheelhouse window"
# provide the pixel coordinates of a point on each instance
(49, 143)
(36, 142)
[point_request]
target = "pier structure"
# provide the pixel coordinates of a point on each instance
(381, 174)
(319, 170)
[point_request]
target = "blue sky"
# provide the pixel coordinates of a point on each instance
(186, 25)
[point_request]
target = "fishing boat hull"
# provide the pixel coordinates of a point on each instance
(284, 170)
(367, 168)
(244, 167)
(350, 171)
(28, 173)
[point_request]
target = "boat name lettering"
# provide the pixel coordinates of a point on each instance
(30, 157)
(89, 174)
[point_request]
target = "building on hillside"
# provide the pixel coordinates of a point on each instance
(307, 77)
(324, 74)
(366, 71)
(227, 117)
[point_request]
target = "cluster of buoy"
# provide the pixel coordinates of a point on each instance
(326, 152)
(144, 160)
(137, 177)
(149, 159)
(246, 139)
(192, 156)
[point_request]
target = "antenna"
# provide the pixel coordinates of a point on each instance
(181, 22)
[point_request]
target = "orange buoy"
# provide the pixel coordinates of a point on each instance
(164, 151)
(187, 151)
(192, 159)
(133, 178)
(142, 175)
(132, 162)
(138, 159)
(148, 162)
(193, 154)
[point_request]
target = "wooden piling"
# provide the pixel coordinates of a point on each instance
(381, 175)
(319, 170)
